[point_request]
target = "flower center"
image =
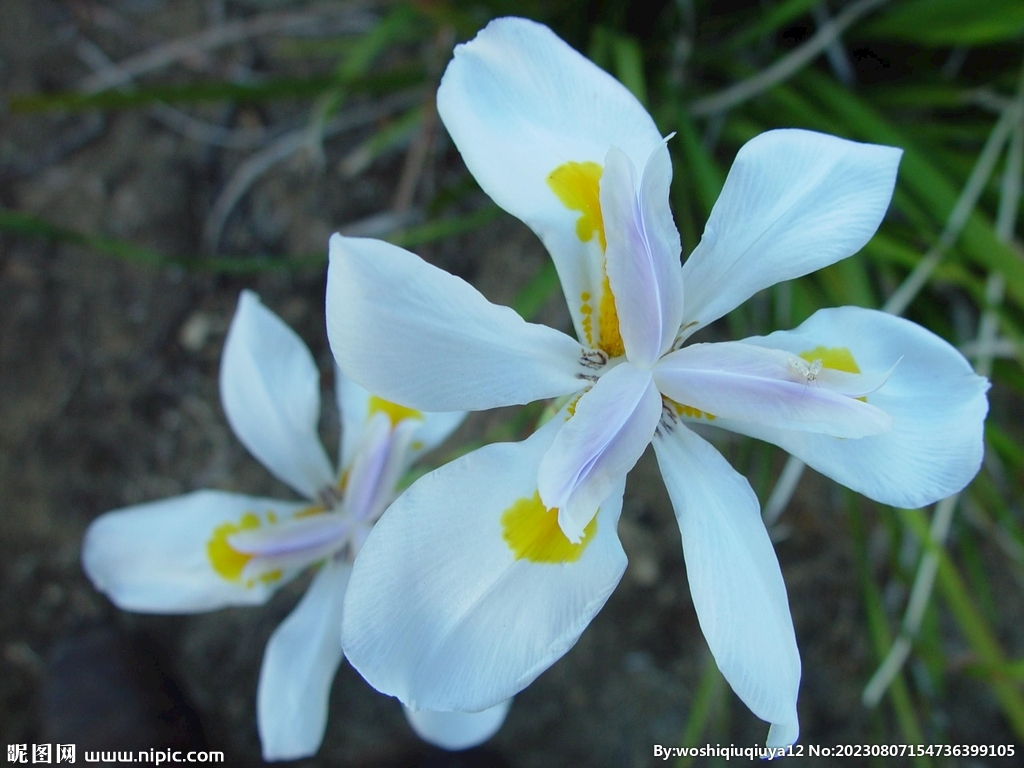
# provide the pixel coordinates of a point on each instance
(261, 548)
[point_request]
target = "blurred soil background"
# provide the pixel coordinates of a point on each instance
(113, 312)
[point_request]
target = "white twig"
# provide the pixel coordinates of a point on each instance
(784, 489)
(286, 146)
(834, 51)
(175, 119)
(216, 36)
(1000, 348)
(787, 66)
(965, 205)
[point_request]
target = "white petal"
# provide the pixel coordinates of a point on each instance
(353, 410)
(457, 730)
(734, 577)
(643, 254)
(418, 336)
(298, 669)
(519, 103)
(937, 403)
(434, 430)
(794, 201)
(153, 558)
(356, 405)
(611, 427)
(744, 382)
(441, 613)
(270, 389)
(373, 454)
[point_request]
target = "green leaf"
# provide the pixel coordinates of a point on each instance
(977, 632)
(951, 22)
(192, 93)
(27, 225)
(702, 172)
(622, 56)
(770, 22)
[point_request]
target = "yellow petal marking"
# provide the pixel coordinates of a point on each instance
(577, 186)
(227, 561)
(532, 533)
(836, 358)
(608, 323)
(394, 411)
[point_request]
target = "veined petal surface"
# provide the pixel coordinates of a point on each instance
(643, 253)
(734, 577)
(794, 201)
(746, 382)
(520, 103)
(154, 558)
(298, 668)
(609, 431)
(420, 337)
(457, 730)
(937, 403)
(270, 390)
(442, 613)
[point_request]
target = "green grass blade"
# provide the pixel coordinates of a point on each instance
(701, 170)
(932, 188)
(972, 624)
(951, 22)
(881, 637)
(770, 22)
(709, 692)
(272, 90)
(27, 225)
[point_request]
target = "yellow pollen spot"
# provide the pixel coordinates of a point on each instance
(588, 317)
(836, 358)
(394, 411)
(577, 186)
(571, 410)
(312, 511)
(531, 532)
(227, 561)
(270, 576)
(689, 411)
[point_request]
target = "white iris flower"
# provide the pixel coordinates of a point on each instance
(210, 549)
(498, 561)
